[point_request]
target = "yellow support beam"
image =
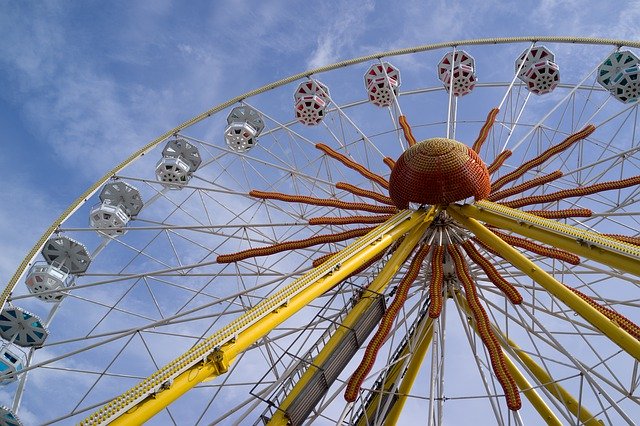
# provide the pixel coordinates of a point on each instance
(75, 205)
(602, 249)
(523, 384)
(368, 297)
(411, 373)
(531, 394)
(554, 388)
(213, 355)
(609, 328)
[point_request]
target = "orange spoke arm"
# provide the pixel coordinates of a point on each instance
(364, 193)
(492, 273)
(627, 239)
(484, 131)
(369, 358)
(624, 322)
(435, 285)
(561, 214)
(576, 192)
(554, 150)
(328, 202)
(390, 162)
(533, 247)
(406, 129)
(293, 245)
(509, 386)
(530, 184)
(353, 165)
(499, 161)
(348, 220)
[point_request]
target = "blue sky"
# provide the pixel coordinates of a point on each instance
(84, 84)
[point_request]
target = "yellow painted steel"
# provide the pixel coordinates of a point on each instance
(523, 384)
(609, 328)
(554, 388)
(609, 251)
(369, 296)
(233, 101)
(531, 394)
(89, 192)
(424, 341)
(213, 355)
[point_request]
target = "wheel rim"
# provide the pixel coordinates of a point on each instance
(190, 226)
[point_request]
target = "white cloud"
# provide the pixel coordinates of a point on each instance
(31, 211)
(94, 107)
(346, 25)
(93, 118)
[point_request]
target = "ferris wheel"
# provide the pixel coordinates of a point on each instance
(441, 234)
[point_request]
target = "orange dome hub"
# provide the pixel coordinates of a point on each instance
(438, 171)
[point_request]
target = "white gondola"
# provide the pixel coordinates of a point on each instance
(625, 86)
(457, 72)
(68, 253)
(537, 70)
(48, 282)
(244, 126)
(123, 194)
(382, 82)
(310, 102)
(22, 327)
(8, 417)
(11, 363)
(614, 65)
(173, 172)
(120, 202)
(533, 56)
(542, 77)
(179, 160)
(109, 219)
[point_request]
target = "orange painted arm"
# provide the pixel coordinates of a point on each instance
(406, 129)
(293, 245)
(484, 131)
(554, 150)
(370, 354)
(353, 165)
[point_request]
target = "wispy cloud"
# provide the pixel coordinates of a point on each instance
(92, 118)
(29, 212)
(96, 84)
(339, 35)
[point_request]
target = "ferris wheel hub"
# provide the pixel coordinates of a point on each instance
(438, 171)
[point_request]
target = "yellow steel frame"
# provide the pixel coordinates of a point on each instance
(76, 204)
(554, 388)
(369, 296)
(411, 373)
(602, 249)
(212, 356)
(523, 384)
(609, 328)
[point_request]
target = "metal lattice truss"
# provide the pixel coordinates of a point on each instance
(273, 275)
